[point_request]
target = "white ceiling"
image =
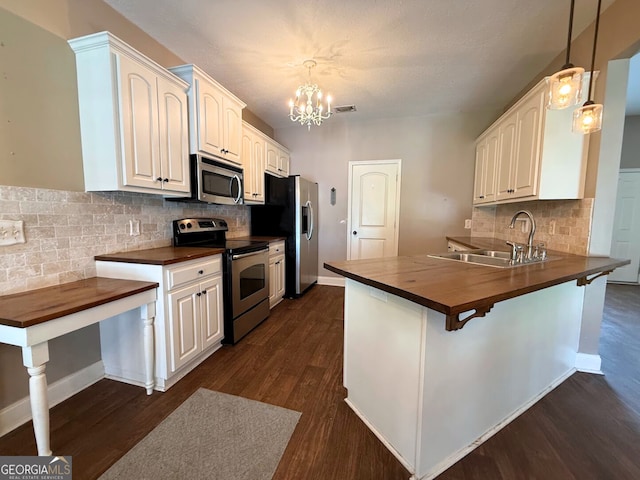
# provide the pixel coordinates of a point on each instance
(389, 58)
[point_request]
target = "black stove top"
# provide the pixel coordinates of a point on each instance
(211, 233)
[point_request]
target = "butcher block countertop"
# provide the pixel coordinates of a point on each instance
(453, 287)
(161, 255)
(32, 307)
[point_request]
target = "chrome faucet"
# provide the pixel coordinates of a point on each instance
(529, 255)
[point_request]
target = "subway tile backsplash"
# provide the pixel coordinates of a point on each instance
(64, 230)
(569, 220)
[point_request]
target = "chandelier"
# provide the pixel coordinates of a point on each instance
(307, 108)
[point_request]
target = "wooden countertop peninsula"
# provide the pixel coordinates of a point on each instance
(32, 307)
(452, 287)
(161, 255)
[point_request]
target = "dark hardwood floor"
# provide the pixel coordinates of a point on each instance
(587, 428)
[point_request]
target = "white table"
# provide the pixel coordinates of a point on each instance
(30, 319)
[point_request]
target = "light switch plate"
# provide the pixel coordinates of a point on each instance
(11, 232)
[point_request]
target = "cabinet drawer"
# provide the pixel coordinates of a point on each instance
(276, 248)
(189, 272)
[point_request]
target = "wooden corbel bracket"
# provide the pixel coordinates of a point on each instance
(582, 281)
(454, 322)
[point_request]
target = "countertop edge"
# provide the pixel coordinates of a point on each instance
(487, 301)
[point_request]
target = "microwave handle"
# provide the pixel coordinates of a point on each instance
(237, 179)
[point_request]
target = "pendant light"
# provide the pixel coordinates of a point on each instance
(565, 86)
(588, 118)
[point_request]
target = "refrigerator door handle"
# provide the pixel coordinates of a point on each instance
(310, 227)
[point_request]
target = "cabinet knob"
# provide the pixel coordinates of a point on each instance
(204, 292)
(199, 293)
(481, 196)
(159, 179)
(165, 180)
(200, 272)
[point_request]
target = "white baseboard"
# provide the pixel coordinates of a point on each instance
(589, 363)
(452, 459)
(19, 412)
(331, 281)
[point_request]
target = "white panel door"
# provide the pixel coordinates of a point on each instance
(174, 137)
(626, 227)
(211, 308)
(139, 115)
(184, 319)
(374, 209)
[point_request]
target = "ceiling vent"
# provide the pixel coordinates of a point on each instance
(344, 109)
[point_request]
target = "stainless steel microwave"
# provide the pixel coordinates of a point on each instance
(215, 182)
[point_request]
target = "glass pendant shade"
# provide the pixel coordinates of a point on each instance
(565, 88)
(588, 118)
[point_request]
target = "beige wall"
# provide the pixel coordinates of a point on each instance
(631, 143)
(437, 154)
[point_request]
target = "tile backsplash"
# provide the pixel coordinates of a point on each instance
(569, 220)
(64, 230)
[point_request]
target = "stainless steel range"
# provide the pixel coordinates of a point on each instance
(245, 272)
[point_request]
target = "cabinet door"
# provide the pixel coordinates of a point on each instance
(272, 157)
(279, 291)
(211, 312)
(209, 118)
(524, 180)
(184, 325)
(247, 164)
(232, 129)
(507, 140)
(283, 163)
(139, 117)
(480, 172)
(272, 281)
(174, 137)
(257, 171)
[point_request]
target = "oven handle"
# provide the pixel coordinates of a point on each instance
(243, 255)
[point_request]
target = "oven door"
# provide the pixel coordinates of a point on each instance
(249, 280)
(218, 183)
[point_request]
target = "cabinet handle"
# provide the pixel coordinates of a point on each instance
(204, 292)
(278, 262)
(199, 293)
(159, 179)
(481, 196)
(200, 272)
(165, 180)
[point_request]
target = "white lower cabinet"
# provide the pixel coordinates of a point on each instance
(276, 272)
(195, 314)
(188, 326)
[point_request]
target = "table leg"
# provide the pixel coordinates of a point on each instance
(148, 314)
(35, 358)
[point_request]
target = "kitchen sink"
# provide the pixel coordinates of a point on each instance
(490, 258)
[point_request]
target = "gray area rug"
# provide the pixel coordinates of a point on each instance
(212, 435)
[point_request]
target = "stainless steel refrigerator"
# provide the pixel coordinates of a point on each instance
(291, 211)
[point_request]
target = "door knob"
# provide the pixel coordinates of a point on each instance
(355, 232)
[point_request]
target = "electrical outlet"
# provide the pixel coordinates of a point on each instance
(134, 227)
(11, 232)
(552, 227)
(467, 223)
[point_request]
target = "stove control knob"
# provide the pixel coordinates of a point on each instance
(182, 227)
(189, 225)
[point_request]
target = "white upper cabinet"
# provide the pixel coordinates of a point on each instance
(215, 116)
(277, 159)
(531, 153)
(253, 151)
(133, 119)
